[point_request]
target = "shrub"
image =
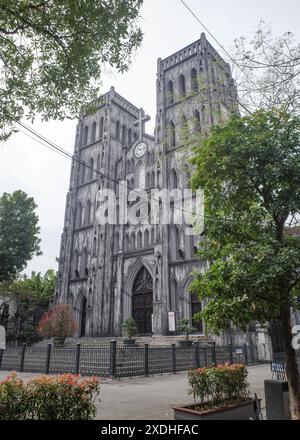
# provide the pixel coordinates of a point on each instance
(64, 397)
(130, 328)
(59, 322)
(184, 327)
(219, 386)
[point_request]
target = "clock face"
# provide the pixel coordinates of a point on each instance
(140, 149)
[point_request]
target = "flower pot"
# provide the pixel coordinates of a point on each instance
(239, 411)
(59, 342)
(129, 342)
(185, 343)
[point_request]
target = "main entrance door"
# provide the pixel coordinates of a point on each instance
(142, 301)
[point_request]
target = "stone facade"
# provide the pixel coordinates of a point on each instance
(108, 273)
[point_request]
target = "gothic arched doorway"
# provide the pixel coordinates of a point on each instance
(196, 307)
(83, 318)
(142, 301)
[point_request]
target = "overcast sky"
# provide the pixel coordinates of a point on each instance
(167, 27)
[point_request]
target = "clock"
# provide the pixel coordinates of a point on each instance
(140, 149)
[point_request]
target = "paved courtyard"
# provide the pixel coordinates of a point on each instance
(152, 398)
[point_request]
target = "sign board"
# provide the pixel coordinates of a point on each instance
(239, 351)
(2, 338)
(171, 319)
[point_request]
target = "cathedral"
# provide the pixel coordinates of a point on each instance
(110, 272)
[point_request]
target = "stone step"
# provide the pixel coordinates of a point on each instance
(140, 340)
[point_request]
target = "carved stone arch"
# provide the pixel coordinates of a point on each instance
(130, 280)
(188, 305)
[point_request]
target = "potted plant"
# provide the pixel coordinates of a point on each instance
(130, 329)
(184, 327)
(220, 393)
(58, 323)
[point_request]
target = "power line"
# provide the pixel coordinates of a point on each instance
(56, 148)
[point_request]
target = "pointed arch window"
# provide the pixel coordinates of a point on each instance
(170, 93)
(173, 179)
(75, 264)
(83, 263)
(176, 234)
(152, 236)
(79, 215)
(93, 134)
(118, 130)
(117, 238)
(126, 243)
(146, 239)
(91, 169)
(132, 241)
(139, 240)
(85, 135)
(182, 88)
(101, 128)
(95, 247)
(87, 213)
(194, 81)
(172, 134)
(197, 122)
(129, 136)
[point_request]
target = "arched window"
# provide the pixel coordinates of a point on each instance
(98, 162)
(101, 128)
(152, 179)
(93, 134)
(83, 263)
(132, 241)
(126, 243)
(129, 137)
(182, 89)
(82, 173)
(87, 213)
(85, 135)
(170, 92)
(95, 247)
(124, 131)
(197, 122)
(196, 307)
(139, 240)
(176, 242)
(148, 159)
(146, 239)
(118, 130)
(173, 179)
(203, 113)
(184, 128)
(117, 242)
(91, 169)
(158, 182)
(194, 81)
(79, 215)
(148, 180)
(172, 134)
(118, 214)
(75, 264)
(152, 236)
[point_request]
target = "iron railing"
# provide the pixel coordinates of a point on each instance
(278, 366)
(120, 360)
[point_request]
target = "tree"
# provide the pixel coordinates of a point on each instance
(52, 54)
(58, 322)
(268, 71)
(31, 296)
(19, 230)
(250, 172)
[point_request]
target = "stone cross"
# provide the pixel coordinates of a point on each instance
(141, 122)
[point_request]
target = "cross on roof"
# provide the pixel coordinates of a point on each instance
(141, 122)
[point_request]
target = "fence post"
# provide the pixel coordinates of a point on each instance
(214, 355)
(77, 358)
(22, 358)
(112, 358)
(146, 359)
(197, 355)
(1, 357)
(230, 354)
(49, 348)
(174, 358)
(245, 354)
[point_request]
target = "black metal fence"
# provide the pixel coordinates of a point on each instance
(278, 366)
(119, 360)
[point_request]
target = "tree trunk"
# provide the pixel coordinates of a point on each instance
(292, 370)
